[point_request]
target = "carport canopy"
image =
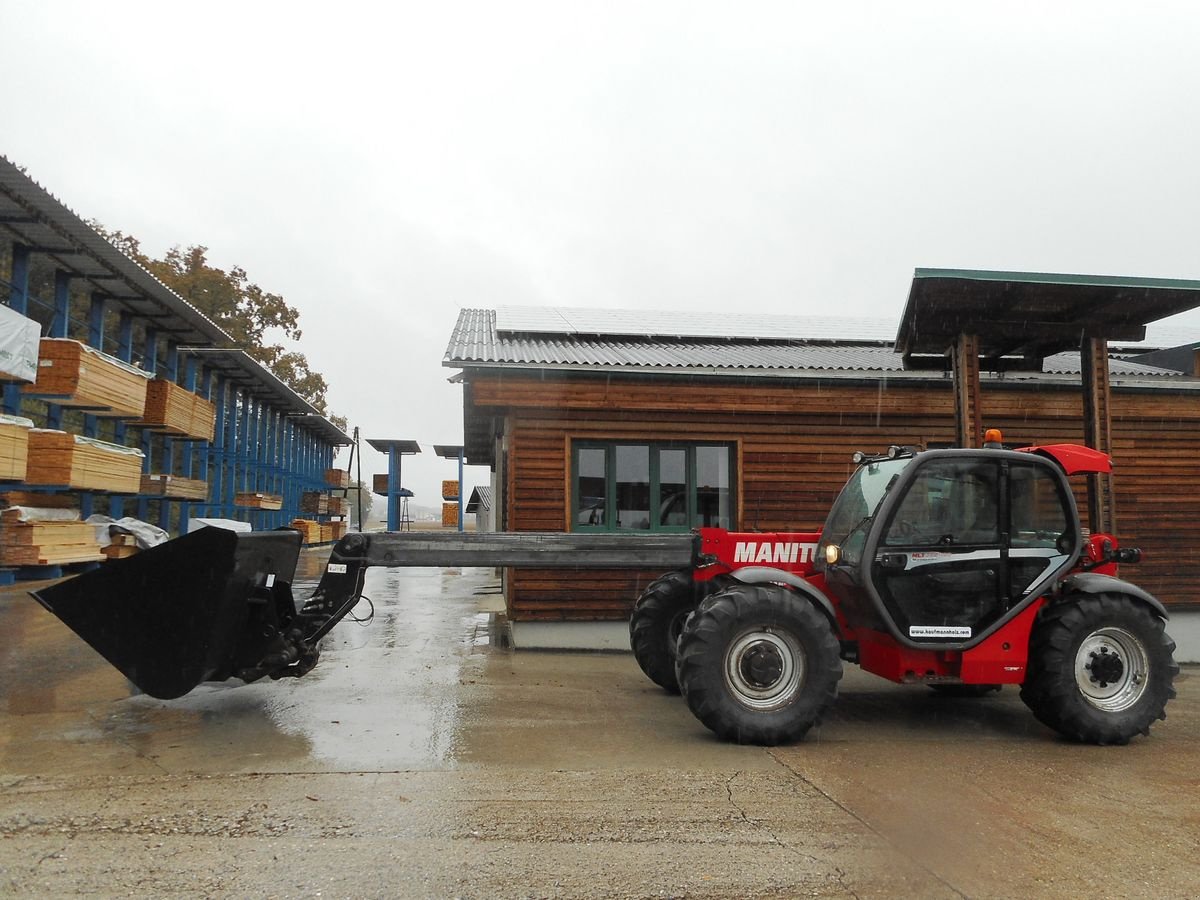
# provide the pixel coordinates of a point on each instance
(1020, 318)
(1017, 319)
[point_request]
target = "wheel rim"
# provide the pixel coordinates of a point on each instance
(1111, 669)
(764, 669)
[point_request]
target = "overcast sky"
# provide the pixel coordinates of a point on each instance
(383, 166)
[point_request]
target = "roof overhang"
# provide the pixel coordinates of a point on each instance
(240, 368)
(385, 445)
(1028, 316)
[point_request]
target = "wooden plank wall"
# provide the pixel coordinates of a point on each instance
(794, 444)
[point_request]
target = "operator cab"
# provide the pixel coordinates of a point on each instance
(939, 548)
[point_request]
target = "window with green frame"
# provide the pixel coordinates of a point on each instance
(651, 486)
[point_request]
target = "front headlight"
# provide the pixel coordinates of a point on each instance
(833, 553)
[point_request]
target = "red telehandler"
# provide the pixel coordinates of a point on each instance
(961, 569)
(964, 570)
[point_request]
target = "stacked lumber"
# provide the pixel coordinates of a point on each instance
(74, 374)
(449, 490)
(337, 478)
(257, 500)
(122, 546)
(379, 484)
(38, 501)
(320, 504)
(449, 514)
(173, 409)
(86, 464)
(26, 541)
(326, 533)
(14, 447)
(314, 502)
(174, 486)
(337, 530)
(310, 531)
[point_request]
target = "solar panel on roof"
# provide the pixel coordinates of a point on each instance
(662, 323)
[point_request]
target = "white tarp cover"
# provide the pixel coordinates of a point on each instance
(19, 339)
(39, 514)
(228, 524)
(144, 534)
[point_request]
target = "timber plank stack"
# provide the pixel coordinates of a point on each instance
(73, 374)
(14, 447)
(315, 502)
(337, 478)
(174, 410)
(379, 484)
(310, 531)
(174, 486)
(59, 459)
(34, 542)
(122, 546)
(320, 504)
(255, 500)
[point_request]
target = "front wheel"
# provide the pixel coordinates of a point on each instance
(1101, 669)
(655, 624)
(758, 664)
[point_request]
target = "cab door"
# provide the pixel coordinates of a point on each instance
(972, 539)
(938, 563)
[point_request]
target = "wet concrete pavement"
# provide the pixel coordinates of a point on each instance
(422, 758)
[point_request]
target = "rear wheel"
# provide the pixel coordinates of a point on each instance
(758, 664)
(655, 624)
(1100, 669)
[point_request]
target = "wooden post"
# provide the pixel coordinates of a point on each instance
(968, 421)
(1097, 432)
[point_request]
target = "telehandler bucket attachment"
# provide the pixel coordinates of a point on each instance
(208, 606)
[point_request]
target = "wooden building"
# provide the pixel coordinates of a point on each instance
(609, 420)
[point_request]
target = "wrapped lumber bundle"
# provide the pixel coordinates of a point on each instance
(45, 537)
(174, 486)
(337, 478)
(19, 338)
(173, 409)
(255, 500)
(315, 502)
(449, 514)
(337, 530)
(71, 460)
(449, 490)
(379, 484)
(14, 447)
(74, 374)
(310, 530)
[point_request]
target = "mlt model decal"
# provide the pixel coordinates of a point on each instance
(773, 552)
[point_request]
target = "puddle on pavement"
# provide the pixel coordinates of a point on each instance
(385, 695)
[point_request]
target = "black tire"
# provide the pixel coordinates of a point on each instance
(964, 691)
(657, 619)
(759, 664)
(1101, 668)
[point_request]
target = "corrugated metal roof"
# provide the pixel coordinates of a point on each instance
(477, 342)
(481, 499)
(562, 320)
